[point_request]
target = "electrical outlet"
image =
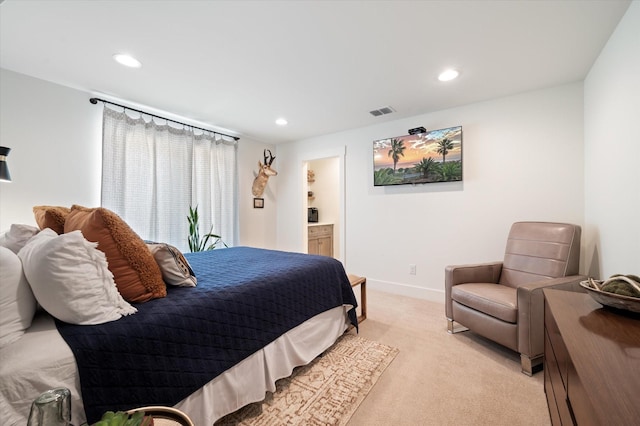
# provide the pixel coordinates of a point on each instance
(412, 269)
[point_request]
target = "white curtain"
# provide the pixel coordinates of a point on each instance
(152, 173)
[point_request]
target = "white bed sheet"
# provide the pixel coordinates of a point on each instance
(38, 361)
(41, 360)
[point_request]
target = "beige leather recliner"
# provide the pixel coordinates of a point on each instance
(503, 301)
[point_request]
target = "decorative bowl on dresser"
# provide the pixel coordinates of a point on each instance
(613, 300)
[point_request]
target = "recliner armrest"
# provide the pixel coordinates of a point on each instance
(473, 273)
(531, 311)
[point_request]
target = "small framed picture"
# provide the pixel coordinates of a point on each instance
(258, 203)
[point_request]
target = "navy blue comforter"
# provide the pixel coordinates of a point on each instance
(245, 299)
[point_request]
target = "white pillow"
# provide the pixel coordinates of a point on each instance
(70, 279)
(173, 265)
(17, 236)
(17, 304)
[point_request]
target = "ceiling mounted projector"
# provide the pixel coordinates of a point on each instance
(417, 130)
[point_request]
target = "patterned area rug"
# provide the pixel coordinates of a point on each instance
(327, 391)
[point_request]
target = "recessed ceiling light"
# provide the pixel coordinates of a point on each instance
(281, 122)
(448, 75)
(126, 60)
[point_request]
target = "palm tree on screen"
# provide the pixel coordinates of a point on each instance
(444, 146)
(450, 171)
(425, 166)
(385, 177)
(396, 151)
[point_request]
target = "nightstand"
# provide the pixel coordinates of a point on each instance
(355, 281)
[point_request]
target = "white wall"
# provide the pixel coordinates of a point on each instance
(257, 226)
(612, 153)
(523, 160)
(54, 135)
(55, 138)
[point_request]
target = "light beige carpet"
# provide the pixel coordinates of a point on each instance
(439, 379)
(327, 391)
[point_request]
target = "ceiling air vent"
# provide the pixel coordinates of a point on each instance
(382, 111)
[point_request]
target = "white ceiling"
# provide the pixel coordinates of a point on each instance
(323, 65)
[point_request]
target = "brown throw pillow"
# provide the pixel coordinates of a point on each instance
(134, 269)
(51, 217)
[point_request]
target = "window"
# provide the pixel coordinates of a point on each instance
(152, 174)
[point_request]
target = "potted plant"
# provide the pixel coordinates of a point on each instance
(120, 418)
(197, 242)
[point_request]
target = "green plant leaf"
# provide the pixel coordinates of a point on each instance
(197, 242)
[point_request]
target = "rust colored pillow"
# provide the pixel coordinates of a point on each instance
(51, 217)
(134, 268)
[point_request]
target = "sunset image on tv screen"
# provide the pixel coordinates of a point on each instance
(433, 156)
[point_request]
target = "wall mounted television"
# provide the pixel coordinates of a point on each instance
(429, 157)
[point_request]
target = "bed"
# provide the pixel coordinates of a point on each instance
(208, 350)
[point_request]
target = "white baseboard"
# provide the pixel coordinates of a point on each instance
(430, 294)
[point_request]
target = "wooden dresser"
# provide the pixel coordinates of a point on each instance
(591, 361)
(320, 239)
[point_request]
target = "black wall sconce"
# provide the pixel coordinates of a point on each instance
(4, 169)
(417, 130)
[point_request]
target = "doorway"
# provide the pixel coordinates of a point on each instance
(324, 190)
(323, 198)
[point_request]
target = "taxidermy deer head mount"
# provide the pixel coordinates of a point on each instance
(264, 172)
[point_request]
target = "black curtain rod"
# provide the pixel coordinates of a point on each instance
(95, 101)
